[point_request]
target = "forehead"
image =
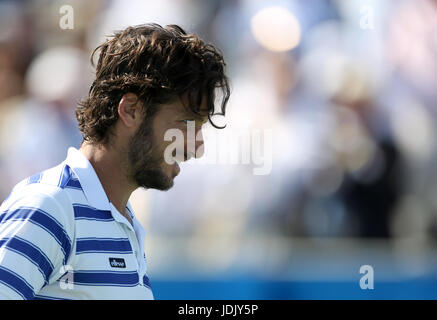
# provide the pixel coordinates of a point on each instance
(180, 107)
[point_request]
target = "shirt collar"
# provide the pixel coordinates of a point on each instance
(88, 179)
(138, 228)
(93, 189)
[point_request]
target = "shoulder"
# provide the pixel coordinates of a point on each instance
(45, 192)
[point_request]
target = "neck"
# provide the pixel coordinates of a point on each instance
(108, 166)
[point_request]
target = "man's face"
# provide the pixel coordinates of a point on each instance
(148, 167)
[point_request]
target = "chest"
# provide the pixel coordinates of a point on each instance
(107, 262)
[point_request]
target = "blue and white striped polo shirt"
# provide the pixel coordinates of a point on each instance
(61, 238)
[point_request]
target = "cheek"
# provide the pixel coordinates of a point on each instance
(172, 137)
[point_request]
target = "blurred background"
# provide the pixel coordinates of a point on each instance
(348, 89)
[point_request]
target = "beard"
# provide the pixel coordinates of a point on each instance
(145, 160)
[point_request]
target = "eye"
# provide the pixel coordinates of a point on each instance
(196, 122)
(189, 120)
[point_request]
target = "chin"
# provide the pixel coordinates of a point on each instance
(156, 179)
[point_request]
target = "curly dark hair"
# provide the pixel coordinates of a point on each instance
(158, 64)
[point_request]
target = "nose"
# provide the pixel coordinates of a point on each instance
(199, 144)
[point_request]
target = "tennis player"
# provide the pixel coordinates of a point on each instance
(69, 232)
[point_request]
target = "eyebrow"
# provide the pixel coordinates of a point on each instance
(195, 116)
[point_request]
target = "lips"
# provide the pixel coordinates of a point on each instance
(189, 155)
(177, 168)
(181, 157)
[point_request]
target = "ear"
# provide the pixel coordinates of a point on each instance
(130, 110)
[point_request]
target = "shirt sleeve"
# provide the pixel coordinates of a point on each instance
(35, 244)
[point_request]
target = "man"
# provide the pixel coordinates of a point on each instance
(69, 232)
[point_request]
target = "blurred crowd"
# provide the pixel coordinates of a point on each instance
(351, 106)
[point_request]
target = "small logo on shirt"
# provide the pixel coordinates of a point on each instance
(117, 263)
